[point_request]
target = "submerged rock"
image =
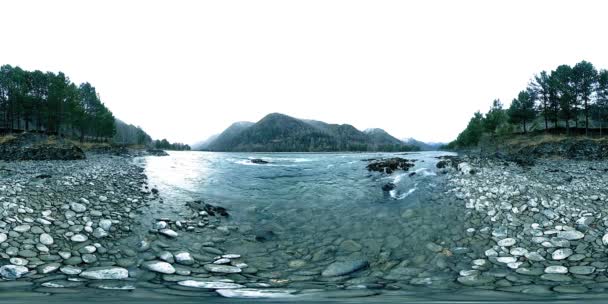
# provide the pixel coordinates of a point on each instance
(256, 293)
(258, 161)
(342, 268)
(209, 284)
(222, 268)
(105, 273)
(159, 266)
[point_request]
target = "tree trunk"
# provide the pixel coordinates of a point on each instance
(586, 118)
(546, 120)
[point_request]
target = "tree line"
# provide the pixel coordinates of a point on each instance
(567, 99)
(166, 145)
(51, 103)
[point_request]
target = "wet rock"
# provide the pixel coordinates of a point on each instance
(168, 232)
(388, 187)
(390, 165)
(184, 258)
(258, 161)
(250, 293)
(105, 273)
(570, 235)
(209, 284)
(475, 280)
(581, 270)
(46, 239)
(159, 266)
(12, 272)
(222, 268)
(343, 268)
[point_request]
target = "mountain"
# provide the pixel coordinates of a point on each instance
(226, 138)
(424, 146)
(281, 133)
(381, 137)
(204, 144)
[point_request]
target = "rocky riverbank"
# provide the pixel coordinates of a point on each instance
(479, 225)
(66, 226)
(540, 229)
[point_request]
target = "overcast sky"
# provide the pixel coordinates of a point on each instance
(184, 70)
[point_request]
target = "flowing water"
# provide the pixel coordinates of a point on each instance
(301, 212)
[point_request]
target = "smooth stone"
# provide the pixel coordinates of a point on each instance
(581, 270)
(556, 269)
(507, 242)
(534, 256)
(184, 258)
(475, 280)
(105, 224)
(46, 239)
(506, 259)
(222, 268)
(13, 272)
(343, 268)
(77, 207)
(209, 284)
(79, 238)
(105, 273)
(99, 233)
(251, 293)
(570, 289)
(556, 277)
(168, 232)
(3, 237)
(112, 285)
(19, 261)
(159, 266)
(48, 268)
(70, 270)
(570, 235)
(433, 247)
(562, 253)
(22, 228)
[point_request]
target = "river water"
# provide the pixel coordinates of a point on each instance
(292, 218)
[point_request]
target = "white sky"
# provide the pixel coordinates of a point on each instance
(185, 70)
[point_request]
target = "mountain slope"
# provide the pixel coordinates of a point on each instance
(281, 133)
(381, 137)
(225, 138)
(422, 145)
(204, 144)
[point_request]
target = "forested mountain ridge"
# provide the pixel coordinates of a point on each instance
(281, 133)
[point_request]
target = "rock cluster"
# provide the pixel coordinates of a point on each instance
(29, 146)
(390, 165)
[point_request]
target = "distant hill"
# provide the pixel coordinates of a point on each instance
(281, 133)
(204, 144)
(424, 146)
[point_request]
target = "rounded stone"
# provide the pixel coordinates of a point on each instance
(159, 266)
(556, 269)
(562, 253)
(79, 238)
(507, 242)
(46, 239)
